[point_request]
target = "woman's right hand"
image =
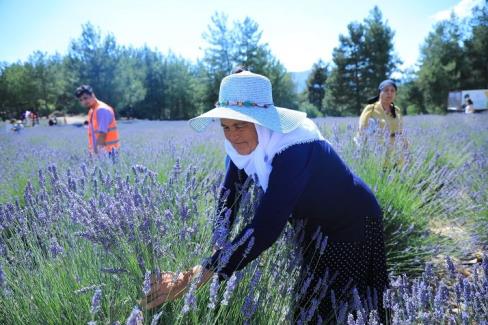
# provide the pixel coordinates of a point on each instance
(168, 286)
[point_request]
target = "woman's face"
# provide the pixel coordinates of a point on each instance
(388, 94)
(242, 135)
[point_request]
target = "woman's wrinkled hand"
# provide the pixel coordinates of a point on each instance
(168, 286)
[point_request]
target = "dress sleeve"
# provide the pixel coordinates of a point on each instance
(287, 182)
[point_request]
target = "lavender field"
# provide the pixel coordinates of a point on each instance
(79, 236)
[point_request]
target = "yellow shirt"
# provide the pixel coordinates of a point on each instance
(375, 118)
(375, 114)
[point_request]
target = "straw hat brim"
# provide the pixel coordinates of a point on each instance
(278, 119)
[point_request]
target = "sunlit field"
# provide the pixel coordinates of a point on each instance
(79, 235)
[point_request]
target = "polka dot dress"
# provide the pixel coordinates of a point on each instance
(347, 265)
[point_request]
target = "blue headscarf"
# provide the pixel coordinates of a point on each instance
(387, 82)
(383, 84)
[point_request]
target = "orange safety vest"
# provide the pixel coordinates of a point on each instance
(112, 136)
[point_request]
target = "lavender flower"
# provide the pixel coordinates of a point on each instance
(350, 320)
(358, 306)
(305, 285)
(249, 306)
(316, 233)
(450, 267)
(96, 301)
(146, 286)
(214, 287)
(229, 289)
(190, 297)
(464, 318)
(341, 317)
(221, 231)
(429, 271)
(438, 305)
(135, 317)
(323, 245)
(249, 246)
(227, 251)
(312, 309)
(318, 241)
(55, 248)
(467, 294)
(373, 318)
(484, 264)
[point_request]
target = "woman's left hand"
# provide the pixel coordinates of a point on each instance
(168, 286)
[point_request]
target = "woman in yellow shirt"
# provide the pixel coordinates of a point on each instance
(381, 117)
(381, 114)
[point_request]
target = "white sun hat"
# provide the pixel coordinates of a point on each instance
(246, 96)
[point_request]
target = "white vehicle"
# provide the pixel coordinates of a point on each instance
(458, 100)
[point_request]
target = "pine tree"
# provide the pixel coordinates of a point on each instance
(441, 64)
(364, 57)
(476, 50)
(316, 84)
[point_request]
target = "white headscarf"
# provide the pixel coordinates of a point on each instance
(270, 143)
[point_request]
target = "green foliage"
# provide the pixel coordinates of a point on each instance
(362, 60)
(410, 97)
(310, 109)
(241, 46)
(141, 83)
(147, 84)
(475, 48)
(316, 84)
(441, 64)
(453, 57)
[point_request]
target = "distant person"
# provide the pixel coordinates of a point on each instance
(382, 117)
(16, 125)
(469, 109)
(85, 124)
(102, 126)
(53, 120)
(381, 114)
(26, 116)
(34, 118)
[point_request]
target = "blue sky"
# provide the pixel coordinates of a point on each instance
(299, 32)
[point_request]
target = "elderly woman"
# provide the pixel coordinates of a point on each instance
(305, 183)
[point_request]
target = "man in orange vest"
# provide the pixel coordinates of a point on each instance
(102, 127)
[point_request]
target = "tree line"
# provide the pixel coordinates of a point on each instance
(452, 57)
(146, 83)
